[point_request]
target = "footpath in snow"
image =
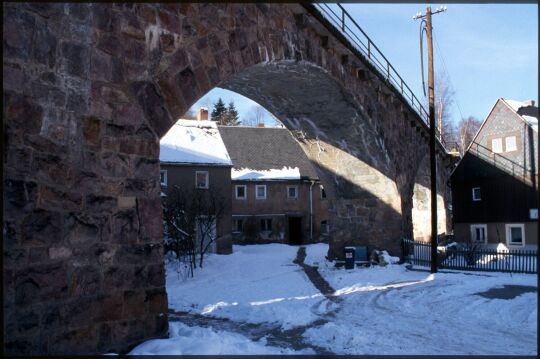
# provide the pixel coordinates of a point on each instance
(257, 301)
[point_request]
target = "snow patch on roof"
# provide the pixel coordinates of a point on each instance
(516, 105)
(288, 173)
(190, 141)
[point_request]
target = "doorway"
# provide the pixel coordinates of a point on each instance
(295, 230)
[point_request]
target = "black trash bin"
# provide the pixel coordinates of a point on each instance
(349, 257)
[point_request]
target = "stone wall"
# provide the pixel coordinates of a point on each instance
(88, 91)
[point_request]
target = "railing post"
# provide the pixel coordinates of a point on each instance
(342, 19)
(369, 49)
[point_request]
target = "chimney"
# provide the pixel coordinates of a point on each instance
(529, 102)
(202, 115)
(260, 124)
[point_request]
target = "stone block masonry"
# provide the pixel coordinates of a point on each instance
(88, 91)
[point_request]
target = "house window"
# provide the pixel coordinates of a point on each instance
(496, 145)
(241, 192)
(533, 213)
(260, 191)
(323, 192)
(324, 227)
(238, 225)
(201, 179)
(515, 234)
(479, 233)
(292, 192)
(510, 143)
(266, 224)
(476, 194)
(163, 177)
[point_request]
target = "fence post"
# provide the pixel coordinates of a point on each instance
(343, 20)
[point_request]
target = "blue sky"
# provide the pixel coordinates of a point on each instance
(489, 51)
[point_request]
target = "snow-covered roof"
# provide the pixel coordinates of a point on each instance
(194, 142)
(266, 153)
(517, 105)
(285, 173)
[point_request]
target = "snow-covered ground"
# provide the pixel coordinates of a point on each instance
(255, 284)
(186, 340)
(378, 310)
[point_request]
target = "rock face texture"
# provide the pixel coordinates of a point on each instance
(88, 91)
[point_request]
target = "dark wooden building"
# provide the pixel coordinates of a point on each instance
(495, 185)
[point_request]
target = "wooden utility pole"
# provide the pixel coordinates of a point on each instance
(432, 159)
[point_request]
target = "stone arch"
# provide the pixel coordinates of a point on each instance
(337, 136)
(275, 66)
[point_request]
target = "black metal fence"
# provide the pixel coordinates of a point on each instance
(463, 257)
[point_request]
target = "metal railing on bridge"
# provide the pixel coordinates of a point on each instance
(362, 42)
(500, 161)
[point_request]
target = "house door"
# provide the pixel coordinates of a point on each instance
(295, 230)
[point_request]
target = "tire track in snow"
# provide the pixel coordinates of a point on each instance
(426, 323)
(275, 336)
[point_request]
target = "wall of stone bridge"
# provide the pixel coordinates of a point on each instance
(88, 91)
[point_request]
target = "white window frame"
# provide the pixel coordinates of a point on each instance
(323, 191)
(207, 181)
(509, 148)
(508, 227)
(473, 231)
(497, 145)
(236, 191)
(295, 192)
(257, 191)
(164, 183)
(474, 198)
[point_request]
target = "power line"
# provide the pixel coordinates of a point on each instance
(448, 74)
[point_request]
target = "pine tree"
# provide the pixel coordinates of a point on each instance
(231, 117)
(219, 111)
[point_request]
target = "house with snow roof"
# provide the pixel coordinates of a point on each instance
(495, 185)
(276, 192)
(194, 158)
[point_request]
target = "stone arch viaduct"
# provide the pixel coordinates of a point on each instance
(88, 91)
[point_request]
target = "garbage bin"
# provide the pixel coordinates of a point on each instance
(349, 257)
